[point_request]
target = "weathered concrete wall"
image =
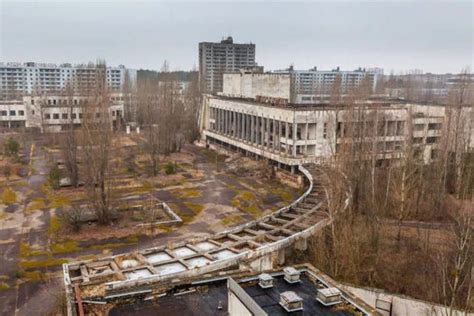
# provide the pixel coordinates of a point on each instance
(250, 85)
(401, 306)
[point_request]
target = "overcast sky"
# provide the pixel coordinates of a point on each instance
(435, 36)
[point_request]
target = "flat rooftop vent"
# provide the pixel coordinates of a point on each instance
(329, 296)
(265, 280)
(291, 302)
(291, 275)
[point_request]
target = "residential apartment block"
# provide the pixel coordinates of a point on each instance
(19, 79)
(215, 59)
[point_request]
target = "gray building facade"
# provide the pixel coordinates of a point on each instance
(215, 59)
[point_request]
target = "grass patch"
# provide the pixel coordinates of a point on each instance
(110, 246)
(30, 275)
(246, 201)
(231, 219)
(185, 193)
(58, 200)
(63, 247)
(28, 251)
(35, 204)
(282, 193)
(54, 226)
(4, 286)
(34, 264)
(8, 196)
(196, 208)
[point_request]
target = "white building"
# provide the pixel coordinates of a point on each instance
(320, 82)
(12, 114)
(242, 119)
(56, 113)
(19, 79)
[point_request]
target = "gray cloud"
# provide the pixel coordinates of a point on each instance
(434, 36)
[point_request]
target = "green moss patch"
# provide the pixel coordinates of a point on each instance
(246, 201)
(35, 204)
(29, 251)
(34, 264)
(8, 196)
(185, 193)
(4, 286)
(64, 247)
(54, 226)
(231, 219)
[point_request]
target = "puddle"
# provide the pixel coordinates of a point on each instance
(205, 246)
(223, 254)
(170, 268)
(198, 262)
(183, 252)
(137, 274)
(157, 257)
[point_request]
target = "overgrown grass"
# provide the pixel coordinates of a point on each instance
(30, 275)
(35, 204)
(64, 247)
(4, 286)
(246, 201)
(54, 226)
(34, 264)
(8, 196)
(110, 245)
(28, 251)
(185, 193)
(282, 193)
(231, 219)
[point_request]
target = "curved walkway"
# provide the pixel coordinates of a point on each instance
(121, 275)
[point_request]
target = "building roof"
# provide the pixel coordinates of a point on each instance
(210, 297)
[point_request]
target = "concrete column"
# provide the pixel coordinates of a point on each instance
(306, 131)
(262, 131)
(279, 135)
(295, 128)
(267, 133)
(301, 244)
(274, 134)
(242, 126)
(287, 136)
(252, 127)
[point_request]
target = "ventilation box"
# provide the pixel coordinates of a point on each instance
(329, 296)
(291, 302)
(291, 275)
(265, 281)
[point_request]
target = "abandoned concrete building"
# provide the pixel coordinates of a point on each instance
(254, 115)
(54, 113)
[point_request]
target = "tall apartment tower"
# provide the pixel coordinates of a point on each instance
(217, 58)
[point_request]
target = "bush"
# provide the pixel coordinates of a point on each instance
(54, 176)
(170, 168)
(11, 147)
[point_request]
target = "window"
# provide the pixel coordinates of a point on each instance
(47, 116)
(64, 116)
(4, 113)
(12, 112)
(32, 101)
(80, 115)
(74, 115)
(325, 130)
(21, 113)
(56, 116)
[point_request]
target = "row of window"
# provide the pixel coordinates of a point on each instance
(65, 116)
(12, 113)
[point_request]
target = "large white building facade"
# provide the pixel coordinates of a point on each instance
(290, 135)
(19, 79)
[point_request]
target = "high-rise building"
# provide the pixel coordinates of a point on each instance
(19, 79)
(217, 58)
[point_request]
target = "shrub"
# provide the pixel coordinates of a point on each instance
(170, 168)
(54, 176)
(11, 147)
